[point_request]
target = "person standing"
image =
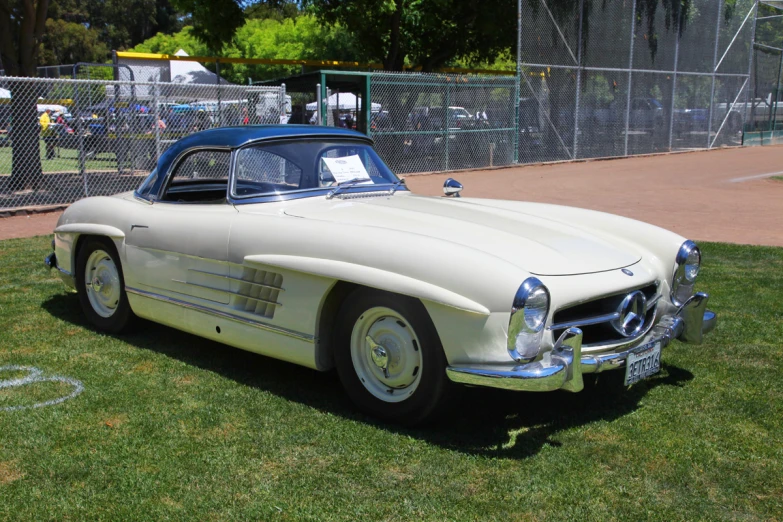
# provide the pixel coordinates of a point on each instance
(46, 120)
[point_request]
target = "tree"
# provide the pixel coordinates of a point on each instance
(22, 24)
(428, 33)
(214, 21)
(68, 42)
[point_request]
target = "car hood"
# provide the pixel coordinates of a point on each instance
(519, 233)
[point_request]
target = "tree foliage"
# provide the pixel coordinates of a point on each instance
(214, 22)
(281, 38)
(119, 23)
(426, 33)
(69, 42)
(44, 32)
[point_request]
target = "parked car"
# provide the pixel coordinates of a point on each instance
(644, 115)
(439, 118)
(332, 263)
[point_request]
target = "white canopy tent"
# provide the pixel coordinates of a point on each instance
(348, 101)
(181, 71)
(5, 94)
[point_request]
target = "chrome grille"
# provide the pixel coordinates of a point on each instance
(594, 317)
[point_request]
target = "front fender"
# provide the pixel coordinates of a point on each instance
(371, 277)
(92, 229)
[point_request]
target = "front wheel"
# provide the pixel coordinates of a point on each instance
(389, 357)
(101, 286)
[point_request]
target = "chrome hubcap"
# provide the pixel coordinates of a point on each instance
(103, 286)
(379, 356)
(386, 354)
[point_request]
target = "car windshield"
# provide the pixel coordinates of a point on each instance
(301, 166)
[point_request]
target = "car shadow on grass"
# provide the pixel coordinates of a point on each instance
(479, 421)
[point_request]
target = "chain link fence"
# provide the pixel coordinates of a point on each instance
(597, 79)
(427, 122)
(61, 140)
(624, 78)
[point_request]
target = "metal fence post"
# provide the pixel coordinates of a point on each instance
(714, 67)
(674, 78)
(446, 124)
(319, 105)
(578, 80)
(367, 101)
(80, 130)
(773, 113)
(517, 81)
(220, 105)
(282, 103)
(157, 119)
(748, 98)
(630, 78)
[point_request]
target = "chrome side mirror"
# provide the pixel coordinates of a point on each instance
(452, 187)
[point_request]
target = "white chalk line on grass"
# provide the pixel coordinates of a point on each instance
(757, 176)
(35, 375)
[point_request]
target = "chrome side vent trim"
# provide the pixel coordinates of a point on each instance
(258, 292)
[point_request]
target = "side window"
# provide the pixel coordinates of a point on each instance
(261, 171)
(204, 164)
(145, 188)
(201, 177)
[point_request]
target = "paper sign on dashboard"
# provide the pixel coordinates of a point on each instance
(346, 168)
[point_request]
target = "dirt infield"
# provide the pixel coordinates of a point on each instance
(723, 195)
(28, 226)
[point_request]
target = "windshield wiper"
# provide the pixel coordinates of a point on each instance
(345, 185)
(394, 187)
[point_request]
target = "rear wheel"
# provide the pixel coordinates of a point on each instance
(389, 357)
(101, 286)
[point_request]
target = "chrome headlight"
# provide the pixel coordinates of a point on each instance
(688, 263)
(528, 316)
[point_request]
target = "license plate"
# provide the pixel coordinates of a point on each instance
(643, 362)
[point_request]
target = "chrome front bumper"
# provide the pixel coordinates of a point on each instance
(562, 368)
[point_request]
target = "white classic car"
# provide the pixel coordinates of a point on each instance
(297, 242)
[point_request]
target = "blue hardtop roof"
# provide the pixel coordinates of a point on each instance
(240, 135)
(233, 137)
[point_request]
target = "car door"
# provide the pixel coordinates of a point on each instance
(178, 245)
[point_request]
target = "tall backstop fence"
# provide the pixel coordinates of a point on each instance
(61, 139)
(597, 79)
(623, 78)
(766, 79)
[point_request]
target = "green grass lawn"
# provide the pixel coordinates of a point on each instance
(170, 426)
(777, 178)
(67, 160)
